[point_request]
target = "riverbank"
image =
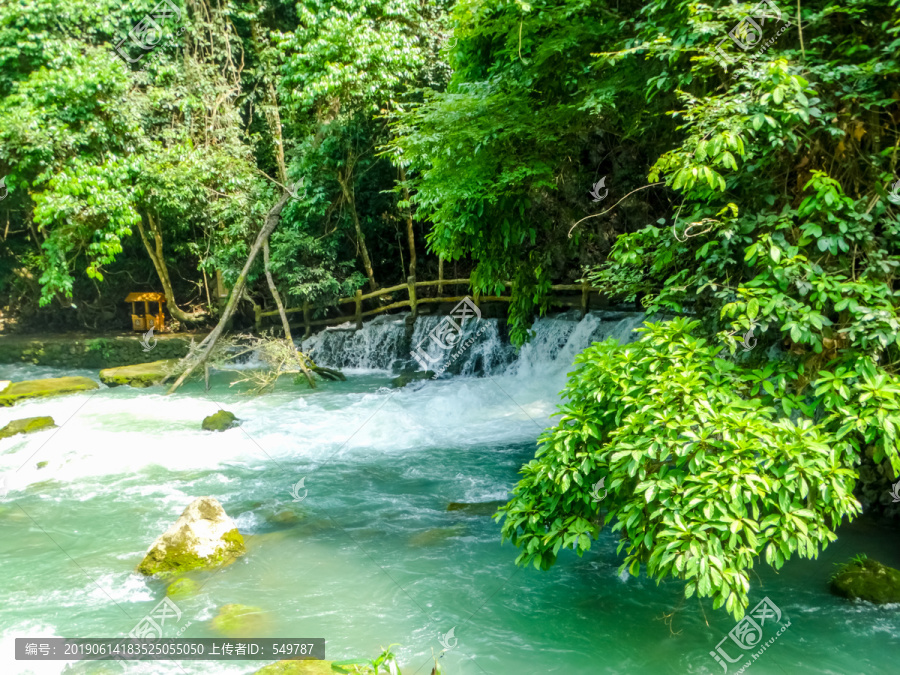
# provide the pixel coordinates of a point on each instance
(87, 350)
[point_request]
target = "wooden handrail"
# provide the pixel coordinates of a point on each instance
(411, 286)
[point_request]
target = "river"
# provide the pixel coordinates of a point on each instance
(371, 556)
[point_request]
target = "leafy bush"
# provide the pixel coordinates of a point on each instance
(703, 474)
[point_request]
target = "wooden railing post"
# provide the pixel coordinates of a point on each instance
(585, 298)
(411, 283)
(308, 328)
(358, 309)
(440, 275)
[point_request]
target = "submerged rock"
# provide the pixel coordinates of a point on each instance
(436, 535)
(182, 587)
(27, 426)
(220, 421)
(411, 376)
(204, 536)
(19, 391)
(286, 518)
(138, 375)
(868, 580)
(236, 621)
(477, 508)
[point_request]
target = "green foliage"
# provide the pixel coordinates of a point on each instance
(370, 666)
(855, 561)
(491, 150)
(703, 479)
(777, 223)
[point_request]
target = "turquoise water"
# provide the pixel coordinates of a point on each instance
(371, 556)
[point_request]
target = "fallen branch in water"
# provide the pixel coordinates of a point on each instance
(196, 359)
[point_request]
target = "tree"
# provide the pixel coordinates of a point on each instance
(778, 228)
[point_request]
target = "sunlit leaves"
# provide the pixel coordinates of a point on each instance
(701, 482)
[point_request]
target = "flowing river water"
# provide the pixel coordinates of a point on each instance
(371, 555)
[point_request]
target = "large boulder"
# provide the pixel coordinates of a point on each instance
(220, 421)
(27, 426)
(18, 391)
(139, 375)
(204, 536)
(864, 579)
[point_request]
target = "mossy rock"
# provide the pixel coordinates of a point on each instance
(220, 421)
(181, 588)
(477, 508)
(27, 426)
(41, 465)
(19, 391)
(867, 580)
(204, 536)
(297, 668)
(241, 621)
(139, 375)
(411, 376)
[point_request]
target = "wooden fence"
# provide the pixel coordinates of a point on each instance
(414, 301)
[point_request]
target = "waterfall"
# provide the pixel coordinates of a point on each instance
(481, 348)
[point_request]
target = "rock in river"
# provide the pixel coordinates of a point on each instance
(866, 579)
(181, 588)
(204, 536)
(408, 376)
(139, 375)
(476, 508)
(300, 668)
(18, 391)
(237, 621)
(27, 426)
(221, 421)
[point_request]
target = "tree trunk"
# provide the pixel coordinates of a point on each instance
(409, 226)
(284, 321)
(209, 342)
(351, 203)
(159, 263)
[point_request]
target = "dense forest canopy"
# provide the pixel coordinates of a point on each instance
(751, 187)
